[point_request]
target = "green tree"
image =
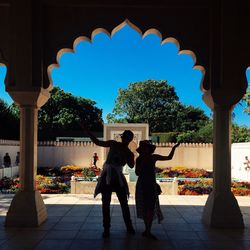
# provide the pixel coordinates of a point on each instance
(203, 135)
(155, 102)
(9, 122)
(246, 98)
(240, 133)
(61, 115)
(186, 137)
(190, 118)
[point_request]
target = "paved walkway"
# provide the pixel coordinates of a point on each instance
(75, 222)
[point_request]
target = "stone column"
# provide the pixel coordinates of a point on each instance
(222, 209)
(27, 208)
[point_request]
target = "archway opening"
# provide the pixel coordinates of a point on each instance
(98, 66)
(130, 56)
(107, 62)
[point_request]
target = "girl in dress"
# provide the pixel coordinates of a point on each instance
(147, 190)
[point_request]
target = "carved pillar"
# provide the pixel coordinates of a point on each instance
(222, 209)
(227, 85)
(27, 208)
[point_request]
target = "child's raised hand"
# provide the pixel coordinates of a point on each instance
(177, 145)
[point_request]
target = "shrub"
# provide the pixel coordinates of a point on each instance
(164, 137)
(6, 183)
(240, 133)
(48, 171)
(88, 172)
(189, 136)
(15, 186)
(204, 135)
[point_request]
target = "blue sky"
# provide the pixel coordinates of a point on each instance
(97, 70)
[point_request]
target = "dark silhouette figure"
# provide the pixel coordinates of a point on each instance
(147, 190)
(247, 163)
(17, 159)
(112, 178)
(95, 159)
(6, 161)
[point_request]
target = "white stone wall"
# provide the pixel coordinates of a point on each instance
(239, 152)
(9, 172)
(56, 154)
(61, 154)
(191, 155)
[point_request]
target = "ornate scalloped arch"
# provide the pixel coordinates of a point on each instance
(116, 29)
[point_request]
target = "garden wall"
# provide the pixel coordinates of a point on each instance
(57, 154)
(9, 172)
(191, 155)
(239, 152)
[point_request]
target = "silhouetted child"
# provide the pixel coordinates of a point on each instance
(147, 190)
(247, 163)
(17, 159)
(95, 159)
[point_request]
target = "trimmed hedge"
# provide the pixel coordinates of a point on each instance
(164, 137)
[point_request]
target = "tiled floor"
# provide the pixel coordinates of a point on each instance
(75, 222)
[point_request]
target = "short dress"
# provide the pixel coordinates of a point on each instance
(147, 200)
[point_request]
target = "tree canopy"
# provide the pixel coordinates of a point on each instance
(9, 122)
(155, 102)
(246, 98)
(61, 115)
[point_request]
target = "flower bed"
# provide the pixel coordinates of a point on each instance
(53, 180)
(47, 185)
(199, 187)
(69, 170)
(205, 186)
(44, 184)
(61, 184)
(48, 171)
(183, 172)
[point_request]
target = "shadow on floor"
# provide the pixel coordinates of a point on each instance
(79, 226)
